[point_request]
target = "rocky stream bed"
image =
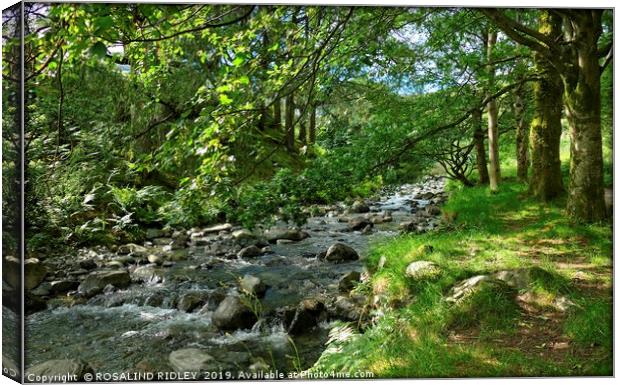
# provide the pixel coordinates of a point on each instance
(221, 298)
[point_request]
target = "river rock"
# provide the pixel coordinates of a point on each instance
(249, 252)
(58, 368)
(426, 195)
(347, 282)
(60, 287)
(12, 271)
(88, 264)
(308, 313)
(383, 218)
(148, 274)
(359, 207)
(232, 314)
(341, 252)
(156, 259)
(192, 300)
(218, 228)
(349, 308)
(43, 290)
(114, 264)
(420, 270)
(132, 248)
(191, 360)
(252, 285)
(34, 303)
(35, 272)
(179, 238)
(291, 234)
(359, 223)
(243, 235)
(433, 210)
(98, 280)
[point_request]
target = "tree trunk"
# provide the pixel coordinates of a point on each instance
(277, 115)
(312, 126)
(264, 118)
(492, 114)
(302, 134)
(583, 109)
(521, 137)
(289, 118)
(481, 153)
(546, 127)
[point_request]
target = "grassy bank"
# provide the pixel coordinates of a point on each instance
(560, 324)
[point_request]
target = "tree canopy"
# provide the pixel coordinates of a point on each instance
(190, 114)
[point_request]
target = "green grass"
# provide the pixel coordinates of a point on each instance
(497, 331)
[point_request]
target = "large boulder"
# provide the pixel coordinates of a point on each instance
(473, 285)
(191, 360)
(341, 252)
(192, 300)
(12, 271)
(243, 235)
(88, 264)
(359, 207)
(308, 313)
(51, 371)
(421, 270)
(252, 285)
(63, 286)
(98, 280)
(359, 224)
(35, 272)
(232, 314)
(273, 235)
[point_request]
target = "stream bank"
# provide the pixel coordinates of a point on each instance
(220, 298)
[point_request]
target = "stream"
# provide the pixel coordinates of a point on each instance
(169, 305)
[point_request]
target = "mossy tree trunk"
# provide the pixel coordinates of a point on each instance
(312, 124)
(546, 127)
(576, 58)
(522, 140)
(582, 99)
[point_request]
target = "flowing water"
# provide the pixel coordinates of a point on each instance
(137, 328)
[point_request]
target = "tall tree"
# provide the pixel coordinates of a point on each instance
(481, 154)
(577, 59)
(546, 128)
(492, 115)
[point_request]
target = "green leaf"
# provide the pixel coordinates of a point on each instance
(244, 80)
(99, 49)
(225, 100)
(103, 23)
(238, 61)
